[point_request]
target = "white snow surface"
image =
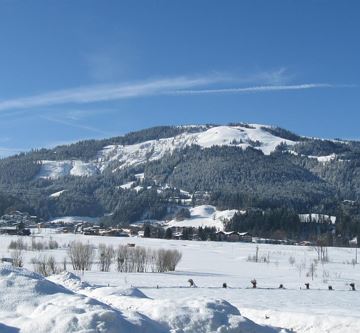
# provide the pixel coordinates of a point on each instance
(324, 159)
(58, 169)
(205, 216)
(31, 303)
(317, 218)
(74, 219)
(56, 194)
(129, 155)
(127, 186)
(165, 300)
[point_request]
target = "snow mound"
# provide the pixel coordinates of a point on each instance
(205, 216)
(117, 291)
(69, 280)
(185, 315)
(29, 303)
(74, 283)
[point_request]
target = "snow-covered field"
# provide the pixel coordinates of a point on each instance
(163, 302)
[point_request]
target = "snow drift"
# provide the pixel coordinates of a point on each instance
(31, 303)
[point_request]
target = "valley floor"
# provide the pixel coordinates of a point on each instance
(210, 264)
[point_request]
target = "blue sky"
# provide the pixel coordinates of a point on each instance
(72, 70)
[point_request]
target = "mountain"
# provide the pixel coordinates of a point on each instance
(151, 173)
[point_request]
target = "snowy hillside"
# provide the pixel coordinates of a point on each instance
(57, 169)
(122, 156)
(74, 219)
(205, 216)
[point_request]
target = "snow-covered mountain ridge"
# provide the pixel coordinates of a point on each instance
(118, 156)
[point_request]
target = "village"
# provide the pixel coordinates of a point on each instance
(23, 224)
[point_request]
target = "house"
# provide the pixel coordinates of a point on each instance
(15, 230)
(245, 237)
(9, 230)
(94, 230)
(220, 236)
(232, 236)
(113, 232)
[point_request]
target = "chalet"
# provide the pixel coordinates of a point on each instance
(245, 237)
(232, 236)
(113, 232)
(220, 236)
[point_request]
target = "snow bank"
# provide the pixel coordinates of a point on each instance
(30, 303)
(185, 315)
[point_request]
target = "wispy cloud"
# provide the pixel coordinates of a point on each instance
(254, 89)
(170, 86)
(106, 92)
(75, 125)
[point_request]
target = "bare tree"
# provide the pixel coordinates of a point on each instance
(64, 264)
(81, 255)
(292, 260)
(141, 259)
(105, 255)
(45, 265)
(321, 249)
(167, 260)
(17, 257)
(300, 267)
(121, 257)
(19, 244)
(312, 270)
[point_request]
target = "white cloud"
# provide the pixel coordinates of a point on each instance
(254, 89)
(75, 125)
(271, 81)
(106, 92)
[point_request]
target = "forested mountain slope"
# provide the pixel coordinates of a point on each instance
(145, 174)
